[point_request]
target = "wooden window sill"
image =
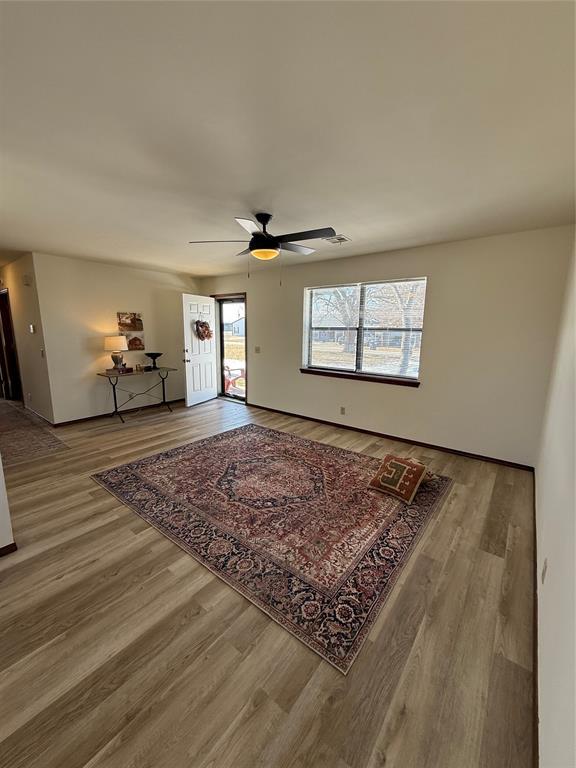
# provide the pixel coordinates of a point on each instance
(402, 382)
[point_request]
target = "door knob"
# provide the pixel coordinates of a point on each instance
(186, 360)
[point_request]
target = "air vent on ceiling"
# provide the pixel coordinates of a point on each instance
(337, 239)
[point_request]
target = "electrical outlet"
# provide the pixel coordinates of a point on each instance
(342, 411)
(28, 395)
(257, 350)
(544, 569)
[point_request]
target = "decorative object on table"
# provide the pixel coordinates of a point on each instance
(114, 375)
(132, 326)
(399, 476)
(287, 522)
(25, 436)
(154, 356)
(120, 371)
(116, 345)
(203, 330)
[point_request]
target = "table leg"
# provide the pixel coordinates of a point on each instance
(164, 401)
(116, 412)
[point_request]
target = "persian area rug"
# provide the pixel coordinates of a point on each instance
(23, 435)
(290, 523)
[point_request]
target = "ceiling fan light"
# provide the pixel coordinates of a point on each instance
(265, 254)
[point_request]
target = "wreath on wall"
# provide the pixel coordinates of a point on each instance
(203, 330)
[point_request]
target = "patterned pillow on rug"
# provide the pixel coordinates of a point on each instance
(399, 477)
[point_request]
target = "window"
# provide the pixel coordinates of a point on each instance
(365, 329)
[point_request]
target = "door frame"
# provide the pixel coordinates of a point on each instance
(9, 357)
(219, 298)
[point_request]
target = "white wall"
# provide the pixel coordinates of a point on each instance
(492, 312)
(79, 300)
(555, 518)
(6, 536)
(30, 347)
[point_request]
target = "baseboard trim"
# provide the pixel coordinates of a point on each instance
(409, 441)
(109, 414)
(8, 549)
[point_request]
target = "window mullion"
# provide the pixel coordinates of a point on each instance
(310, 329)
(360, 330)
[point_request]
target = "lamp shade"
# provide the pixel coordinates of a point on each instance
(115, 344)
(264, 254)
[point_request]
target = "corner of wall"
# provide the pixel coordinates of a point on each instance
(20, 279)
(556, 548)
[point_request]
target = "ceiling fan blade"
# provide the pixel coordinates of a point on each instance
(311, 234)
(301, 249)
(191, 242)
(249, 225)
(244, 252)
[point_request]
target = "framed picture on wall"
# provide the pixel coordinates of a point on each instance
(130, 324)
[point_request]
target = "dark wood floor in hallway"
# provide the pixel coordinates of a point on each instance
(118, 649)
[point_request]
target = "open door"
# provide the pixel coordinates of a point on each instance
(199, 356)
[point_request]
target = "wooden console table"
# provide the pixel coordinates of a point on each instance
(114, 378)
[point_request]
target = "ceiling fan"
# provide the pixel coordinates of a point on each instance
(263, 245)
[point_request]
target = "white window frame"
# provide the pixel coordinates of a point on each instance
(360, 329)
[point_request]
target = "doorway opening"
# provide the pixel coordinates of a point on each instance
(10, 383)
(232, 317)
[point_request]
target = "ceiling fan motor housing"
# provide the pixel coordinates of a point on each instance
(263, 240)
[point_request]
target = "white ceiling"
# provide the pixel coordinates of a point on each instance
(128, 129)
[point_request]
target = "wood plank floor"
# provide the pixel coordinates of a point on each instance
(117, 649)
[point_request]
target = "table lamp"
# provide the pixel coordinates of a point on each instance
(116, 345)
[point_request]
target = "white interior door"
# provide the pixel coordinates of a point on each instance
(199, 356)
